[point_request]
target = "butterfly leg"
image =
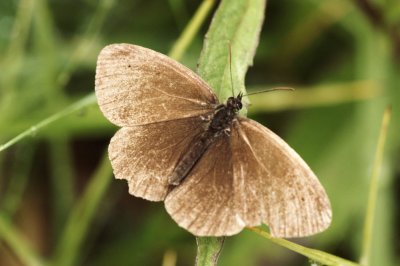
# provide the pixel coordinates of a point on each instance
(206, 118)
(227, 131)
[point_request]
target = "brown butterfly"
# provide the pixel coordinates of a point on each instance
(217, 172)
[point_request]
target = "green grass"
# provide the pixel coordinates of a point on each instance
(59, 204)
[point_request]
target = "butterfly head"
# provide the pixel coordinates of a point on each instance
(235, 103)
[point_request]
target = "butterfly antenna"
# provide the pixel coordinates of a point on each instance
(230, 68)
(269, 90)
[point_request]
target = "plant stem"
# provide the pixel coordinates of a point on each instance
(208, 250)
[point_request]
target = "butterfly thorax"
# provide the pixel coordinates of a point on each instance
(219, 124)
(225, 113)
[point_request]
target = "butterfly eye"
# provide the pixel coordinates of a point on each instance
(239, 105)
(235, 103)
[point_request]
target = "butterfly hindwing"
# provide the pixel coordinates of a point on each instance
(202, 203)
(249, 178)
(146, 155)
(293, 201)
(136, 86)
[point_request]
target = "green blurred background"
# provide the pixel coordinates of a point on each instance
(342, 56)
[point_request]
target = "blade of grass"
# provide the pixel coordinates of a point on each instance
(373, 190)
(84, 102)
(12, 59)
(45, 45)
(20, 30)
(316, 96)
(18, 243)
(311, 27)
(191, 29)
(85, 40)
(62, 182)
(179, 11)
(76, 228)
(235, 27)
(19, 177)
(313, 254)
(169, 258)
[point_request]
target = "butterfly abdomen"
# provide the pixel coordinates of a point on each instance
(220, 123)
(190, 157)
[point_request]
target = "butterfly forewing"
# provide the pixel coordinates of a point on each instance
(146, 155)
(249, 178)
(136, 86)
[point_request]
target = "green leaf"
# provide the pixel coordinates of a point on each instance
(238, 24)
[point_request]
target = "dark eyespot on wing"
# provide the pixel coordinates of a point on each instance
(146, 155)
(136, 86)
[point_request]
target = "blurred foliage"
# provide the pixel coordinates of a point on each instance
(342, 56)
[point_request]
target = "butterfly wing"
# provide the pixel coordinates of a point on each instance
(249, 178)
(159, 104)
(202, 203)
(136, 86)
(146, 155)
